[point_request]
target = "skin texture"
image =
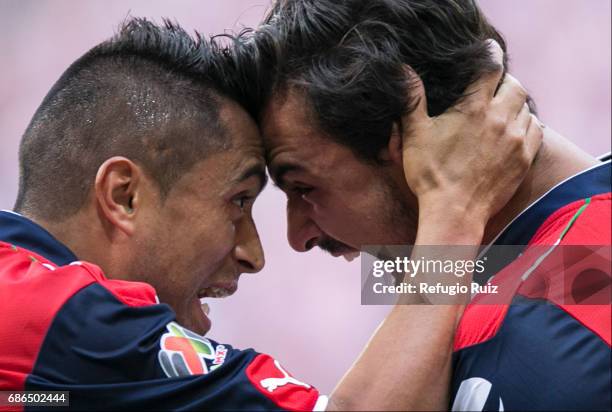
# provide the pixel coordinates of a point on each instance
(456, 178)
(359, 203)
(201, 236)
(199, 239)
(323, 197)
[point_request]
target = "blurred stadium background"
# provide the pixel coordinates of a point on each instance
(304, 308)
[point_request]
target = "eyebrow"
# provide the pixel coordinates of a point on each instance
(257, 170)
(278, 173)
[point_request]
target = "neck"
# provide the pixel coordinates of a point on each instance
(89, 239)
(557, 160)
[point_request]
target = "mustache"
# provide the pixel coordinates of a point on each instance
(331, 245)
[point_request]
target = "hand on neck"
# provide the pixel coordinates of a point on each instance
(557, 160)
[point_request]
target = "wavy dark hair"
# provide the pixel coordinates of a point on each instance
(349, 57)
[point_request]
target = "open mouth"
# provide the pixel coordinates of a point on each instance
(217, 292)
(221, 290)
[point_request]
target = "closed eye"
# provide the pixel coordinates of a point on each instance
(293, 188)
(301, 190)
(242, 201)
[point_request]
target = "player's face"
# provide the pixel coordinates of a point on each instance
(202, 236)
(334, 200)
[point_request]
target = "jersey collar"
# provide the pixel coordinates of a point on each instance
(518, 233)
(590, 182)
(22, 232)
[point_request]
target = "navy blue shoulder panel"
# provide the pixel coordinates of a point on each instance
(107, 355)
(23, 232)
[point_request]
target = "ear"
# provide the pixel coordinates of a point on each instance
(393, 152)
(117, 191)
(411, 122)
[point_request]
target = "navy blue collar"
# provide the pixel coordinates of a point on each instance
(22, 232)
(591, 182)
(518, 233)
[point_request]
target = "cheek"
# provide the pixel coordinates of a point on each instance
(216, 242)
(193, 258)
(195, 248)
(224, 238)
(340, 215)
(350, 196)
(356, 216)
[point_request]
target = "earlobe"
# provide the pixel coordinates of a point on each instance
(116, 190)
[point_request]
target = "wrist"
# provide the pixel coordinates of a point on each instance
(444, 221)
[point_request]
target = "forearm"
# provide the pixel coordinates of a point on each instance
(407, 363)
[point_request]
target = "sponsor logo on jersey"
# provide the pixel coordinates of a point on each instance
(271, 384)
(272, 380)
(473, 394)
(220, 354)
(183, 352)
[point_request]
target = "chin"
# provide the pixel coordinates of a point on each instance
(200, 325)
(196, 321)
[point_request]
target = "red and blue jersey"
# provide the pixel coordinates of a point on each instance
(539, 351)
(67, 327)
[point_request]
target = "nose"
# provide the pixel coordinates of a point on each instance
(248, 251)
(302, 232)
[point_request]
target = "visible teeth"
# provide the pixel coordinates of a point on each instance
(214, 292)
(351, 256)
(205, 308)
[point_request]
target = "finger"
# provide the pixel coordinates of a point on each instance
(511, 96)
(416, 90)
(524, 110)
(523, 118)
(484, 88)
(534, 137)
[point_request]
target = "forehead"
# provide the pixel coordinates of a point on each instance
(244, 152)
(289, 129)
(242, 131)
(293, 141)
